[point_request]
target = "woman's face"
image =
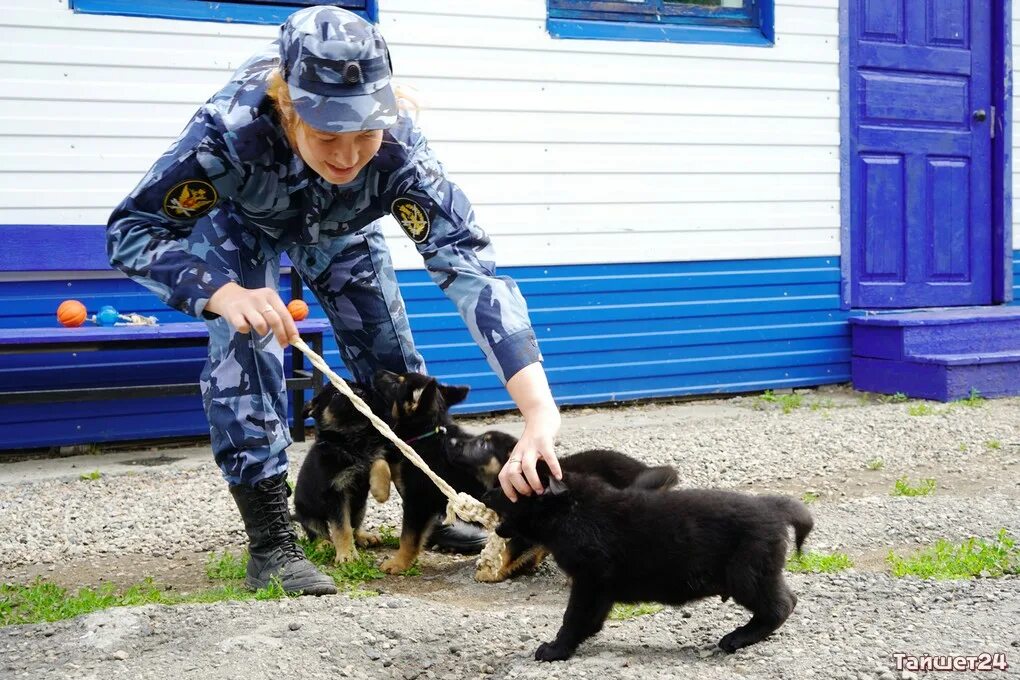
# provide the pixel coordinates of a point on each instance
(338, 157)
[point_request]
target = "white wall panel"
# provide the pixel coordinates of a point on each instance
(571, 150)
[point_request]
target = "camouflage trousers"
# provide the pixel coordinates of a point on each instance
(243, 387)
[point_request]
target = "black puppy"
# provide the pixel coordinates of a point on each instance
(346, 461)
(629, 545)
(417, 409)
(488, 452)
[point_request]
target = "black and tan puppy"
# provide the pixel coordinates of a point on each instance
(346, 461)
(630, 545)
(488, 452)
(417, 409)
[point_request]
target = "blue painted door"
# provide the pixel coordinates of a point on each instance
(920, 153)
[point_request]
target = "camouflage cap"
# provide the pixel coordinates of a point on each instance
(337, 68)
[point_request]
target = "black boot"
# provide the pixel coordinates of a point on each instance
(459, 537)
(273, 547)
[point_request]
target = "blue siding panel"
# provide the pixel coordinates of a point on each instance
(608, 332)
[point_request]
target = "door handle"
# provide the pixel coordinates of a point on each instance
(980, 115)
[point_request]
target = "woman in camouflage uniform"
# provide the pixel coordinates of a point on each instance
(302, 152)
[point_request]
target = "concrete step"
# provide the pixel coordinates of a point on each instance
(967, 330)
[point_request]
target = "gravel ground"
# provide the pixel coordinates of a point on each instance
(161, 521)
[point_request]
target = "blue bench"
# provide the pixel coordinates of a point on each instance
(43, 252)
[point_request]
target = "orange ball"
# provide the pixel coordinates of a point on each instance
(298, 310)
(71, 313)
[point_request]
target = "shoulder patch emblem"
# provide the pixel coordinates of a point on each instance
(190, 199)
(412, 218)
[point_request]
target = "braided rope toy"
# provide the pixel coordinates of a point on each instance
(460, 504)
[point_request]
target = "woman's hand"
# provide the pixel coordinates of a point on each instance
(530, 390)
(260, 310)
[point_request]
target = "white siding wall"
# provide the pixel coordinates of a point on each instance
(572, 151)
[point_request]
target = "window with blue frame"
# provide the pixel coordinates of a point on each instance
(231, 11)
(741, 22)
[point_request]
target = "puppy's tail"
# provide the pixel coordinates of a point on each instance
(657, 478)
(797, 515)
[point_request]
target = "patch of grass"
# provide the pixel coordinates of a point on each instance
(318, 552)
(810, 497)
(622, 611)
(788, 402)
(349, 576)
(897, 398)
(90, 476)
(413, 570)
(42, 601)
(823, 404)
(227, 566)
(993, 444)
(903, 488)
(962, 447)
(970, 559)
(355, 573)
(876, 464)
(975, 400)
(389, 537)
(229, 591)
(819, 563)
(360, 593)
(274, 591)
(921, 409)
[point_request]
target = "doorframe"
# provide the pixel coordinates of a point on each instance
(1002, 162)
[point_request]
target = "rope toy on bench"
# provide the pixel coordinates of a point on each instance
(460, 504)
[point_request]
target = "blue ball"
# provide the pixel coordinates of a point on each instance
(107, 316)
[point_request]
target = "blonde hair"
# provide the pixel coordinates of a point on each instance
(278, 91)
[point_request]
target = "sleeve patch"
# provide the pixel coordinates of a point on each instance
(189, 200)
(412, 218)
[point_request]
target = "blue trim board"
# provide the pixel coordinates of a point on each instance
(608, 332)
(845, 131)
(653, 32)
(201, 10)
(655, 21)
(1002, 157)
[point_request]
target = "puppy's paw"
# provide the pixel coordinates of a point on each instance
(550, 651)
(395, 565)
(731, 642)
(367, 540)
(345, 556)
(489, 573)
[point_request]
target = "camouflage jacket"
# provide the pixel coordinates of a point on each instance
(233, 161)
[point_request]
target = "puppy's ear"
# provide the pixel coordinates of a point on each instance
(385, 384)
(424, 398)
(454, 394)
(556, 487)
(552, 485)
